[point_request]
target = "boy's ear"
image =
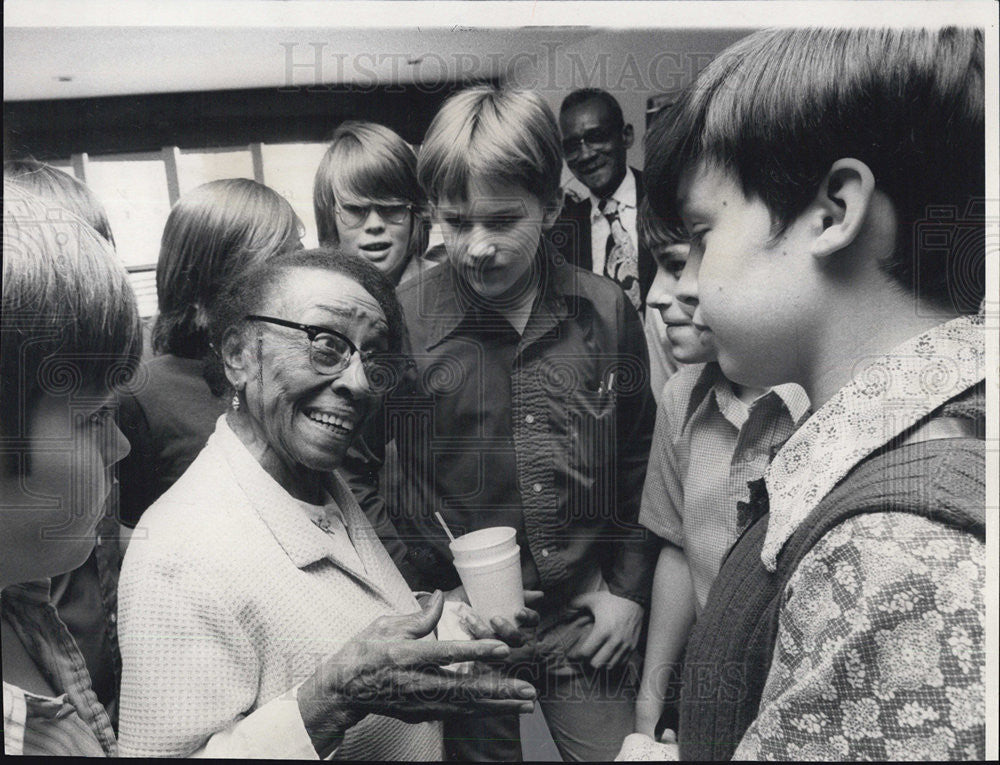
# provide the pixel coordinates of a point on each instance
(628, 136)
(553, 209)
(236, 358)
(842, 206)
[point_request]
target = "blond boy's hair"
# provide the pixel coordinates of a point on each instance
(505, 136)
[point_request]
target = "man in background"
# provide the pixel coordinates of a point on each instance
(597, 228)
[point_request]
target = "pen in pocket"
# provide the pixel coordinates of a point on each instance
(606, 388)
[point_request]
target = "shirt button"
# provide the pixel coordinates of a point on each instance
(113, 618)
(545, 553)
(530, 419)
(537, 488)
(99, 540)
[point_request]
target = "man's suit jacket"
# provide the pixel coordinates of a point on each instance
(571, 237)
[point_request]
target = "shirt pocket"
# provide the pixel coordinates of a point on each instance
(590, 423)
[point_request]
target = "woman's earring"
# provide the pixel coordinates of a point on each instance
(235, 403)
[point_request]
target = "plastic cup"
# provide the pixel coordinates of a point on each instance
(494, 588)
(483, 546)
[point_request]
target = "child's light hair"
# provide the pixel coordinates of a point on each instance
(366, 160)
(500, 135)
(69, 318)
(52, 183)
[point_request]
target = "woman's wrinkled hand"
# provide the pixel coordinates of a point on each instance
(386, 669)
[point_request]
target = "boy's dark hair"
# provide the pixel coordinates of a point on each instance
(656, 230)
(583, 95)
(779, 107)
(246, 292)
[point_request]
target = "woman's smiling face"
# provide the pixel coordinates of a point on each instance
(308, 419)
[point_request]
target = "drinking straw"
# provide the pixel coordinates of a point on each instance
(444, 526)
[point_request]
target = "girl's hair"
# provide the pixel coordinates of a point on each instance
(214, 231)
(250, 291)
(366, 160)
(497, 134)
(48, 182)
(69, 319)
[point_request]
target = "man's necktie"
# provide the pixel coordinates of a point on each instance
(621, 262)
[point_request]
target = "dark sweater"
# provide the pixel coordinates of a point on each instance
(729, 653)
(167, 414)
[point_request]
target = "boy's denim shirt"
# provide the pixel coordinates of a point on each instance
(582, 415)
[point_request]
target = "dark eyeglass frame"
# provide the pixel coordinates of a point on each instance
(355, 221)
(312, 332)
(594, 137)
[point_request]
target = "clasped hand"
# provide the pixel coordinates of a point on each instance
(615, 633)
(519, 634)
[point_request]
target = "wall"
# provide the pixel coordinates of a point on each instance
(632, 64)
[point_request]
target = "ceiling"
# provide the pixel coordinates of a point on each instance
(76, 62)
(57, 49)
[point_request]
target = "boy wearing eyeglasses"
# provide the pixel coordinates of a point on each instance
(529, 407)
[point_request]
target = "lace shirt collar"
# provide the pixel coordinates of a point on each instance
(886, 398)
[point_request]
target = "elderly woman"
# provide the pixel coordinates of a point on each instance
(256, 569)
(368, 201)
(70, 329)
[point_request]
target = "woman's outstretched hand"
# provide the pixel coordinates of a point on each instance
(386, 669)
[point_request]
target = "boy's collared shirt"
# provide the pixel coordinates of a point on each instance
(848, 679)
(887, 397)
(74, 722)
(86, 600)
(573, 456)
(707, 446)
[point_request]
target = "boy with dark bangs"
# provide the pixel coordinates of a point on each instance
(712, 437)
(832, 183)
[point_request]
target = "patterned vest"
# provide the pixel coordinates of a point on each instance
(729, 653)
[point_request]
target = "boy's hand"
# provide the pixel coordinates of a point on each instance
(458, 595)
(617, 623)
(512, 634)
(518, 636)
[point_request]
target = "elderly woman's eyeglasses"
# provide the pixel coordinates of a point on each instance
(353, 216)
(329, 351)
